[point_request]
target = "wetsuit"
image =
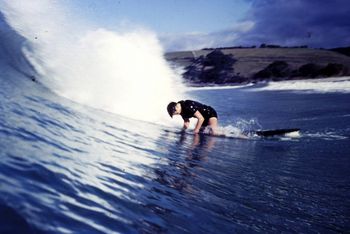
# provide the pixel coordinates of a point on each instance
(189, 107)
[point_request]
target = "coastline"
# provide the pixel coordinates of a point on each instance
(323, 85)
(243, 66)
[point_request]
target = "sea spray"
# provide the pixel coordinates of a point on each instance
(120, 72)
(240, 129)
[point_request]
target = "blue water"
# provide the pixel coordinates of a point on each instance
(69, 168)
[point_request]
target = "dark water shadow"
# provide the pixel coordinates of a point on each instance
(13, 222)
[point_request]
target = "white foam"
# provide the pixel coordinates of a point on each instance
(340, 84)
(122, 72)
(218, 87)
(243, 129)
(295, 134)
(231, 131)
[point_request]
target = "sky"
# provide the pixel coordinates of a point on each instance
(196, 24)
(166, 16)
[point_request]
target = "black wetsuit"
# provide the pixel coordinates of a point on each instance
(189, 107)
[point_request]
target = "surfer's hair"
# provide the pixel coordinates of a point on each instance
(171, 108)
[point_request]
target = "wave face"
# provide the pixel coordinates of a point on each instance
(11, 54)
(122, 72)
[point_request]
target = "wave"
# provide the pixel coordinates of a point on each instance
(123, 72)
(219, 87)
(327, 135)
(11, 54)
(326, 85)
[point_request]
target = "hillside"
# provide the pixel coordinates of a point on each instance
(237, 65)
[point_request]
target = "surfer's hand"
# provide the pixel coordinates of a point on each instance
(195, 131)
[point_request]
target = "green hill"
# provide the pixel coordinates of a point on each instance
(237, 65)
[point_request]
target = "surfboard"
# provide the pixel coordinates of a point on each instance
(286, 132)
(278, 132)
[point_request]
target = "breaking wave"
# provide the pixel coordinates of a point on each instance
(123, 72)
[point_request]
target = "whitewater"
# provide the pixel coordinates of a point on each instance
(87, 146)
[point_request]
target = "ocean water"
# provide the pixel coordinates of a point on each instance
(84, 154)
(69, 168)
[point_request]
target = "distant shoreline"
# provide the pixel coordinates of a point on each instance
(238, 66)
(236, 86)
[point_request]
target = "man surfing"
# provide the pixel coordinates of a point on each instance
(206, 115)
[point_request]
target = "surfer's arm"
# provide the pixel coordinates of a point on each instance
(200, 121)
(186, 123)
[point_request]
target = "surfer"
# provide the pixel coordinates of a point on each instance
(206, 115)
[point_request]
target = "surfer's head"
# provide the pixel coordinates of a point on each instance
(174, 108)
(171, 108)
